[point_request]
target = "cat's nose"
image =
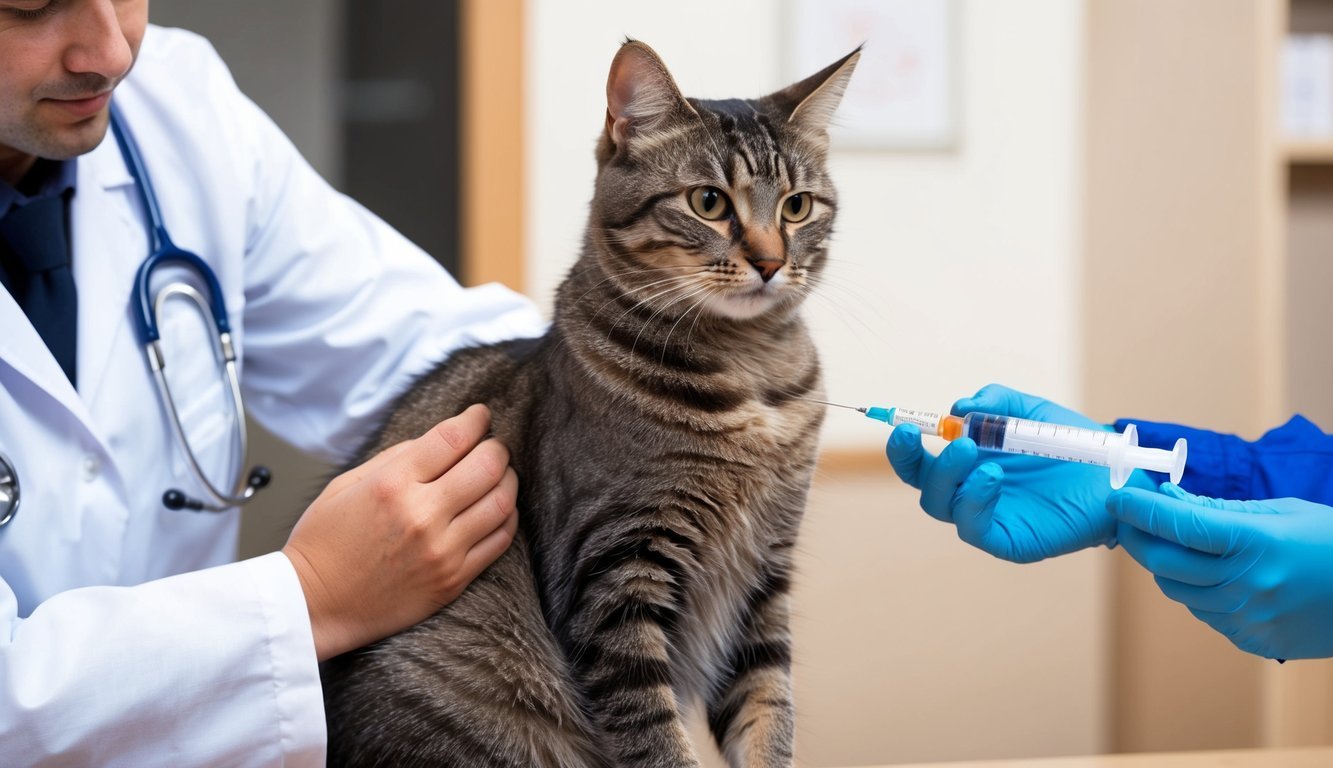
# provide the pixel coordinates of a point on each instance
(766, 267)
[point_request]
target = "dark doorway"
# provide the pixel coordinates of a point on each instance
(400, 112)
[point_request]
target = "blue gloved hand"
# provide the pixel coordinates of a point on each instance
(1019, 508)
(1259, 572)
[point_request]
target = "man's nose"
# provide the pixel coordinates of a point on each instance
(97, 44)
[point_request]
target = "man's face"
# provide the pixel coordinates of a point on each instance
(59, 60)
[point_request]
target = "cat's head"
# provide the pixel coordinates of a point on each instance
(721, 206)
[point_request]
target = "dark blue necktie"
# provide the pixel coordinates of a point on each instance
(44, 283)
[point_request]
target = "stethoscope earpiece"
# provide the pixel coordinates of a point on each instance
(260, 477)
(176, 499)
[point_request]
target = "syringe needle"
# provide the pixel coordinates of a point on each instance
(835, 405)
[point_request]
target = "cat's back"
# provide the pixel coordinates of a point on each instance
(496, 375)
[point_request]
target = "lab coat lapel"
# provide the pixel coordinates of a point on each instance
(23, 350)
(107, 245)
(110, 242)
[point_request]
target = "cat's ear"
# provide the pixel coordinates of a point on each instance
(641, 96)
(812, 102)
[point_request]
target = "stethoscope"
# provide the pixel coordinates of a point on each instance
(146, 310)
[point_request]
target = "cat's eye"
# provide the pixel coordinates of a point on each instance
(797, 207)
(710, 203)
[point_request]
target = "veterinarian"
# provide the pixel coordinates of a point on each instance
(127, 635)
(1259, 572)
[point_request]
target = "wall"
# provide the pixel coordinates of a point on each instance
(910, 645)
(301, 40)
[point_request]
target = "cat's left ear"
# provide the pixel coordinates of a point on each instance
(812, 102)
(641, 96)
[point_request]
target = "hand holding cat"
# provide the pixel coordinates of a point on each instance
(1019, 508)
(390, 542)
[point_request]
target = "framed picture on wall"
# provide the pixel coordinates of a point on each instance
(904, 94)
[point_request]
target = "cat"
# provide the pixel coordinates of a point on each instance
(664, 447)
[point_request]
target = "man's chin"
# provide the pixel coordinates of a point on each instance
(66, 142)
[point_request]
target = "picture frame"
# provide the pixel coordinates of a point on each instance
(904, 95)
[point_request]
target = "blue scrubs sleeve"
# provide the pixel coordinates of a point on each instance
(1293, 460)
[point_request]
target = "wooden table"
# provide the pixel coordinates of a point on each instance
(1317, 757)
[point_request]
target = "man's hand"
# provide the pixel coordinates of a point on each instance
(390, 542)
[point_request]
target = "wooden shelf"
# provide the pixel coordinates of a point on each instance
(1308, 151)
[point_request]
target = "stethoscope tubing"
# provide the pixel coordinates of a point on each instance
(163, 252)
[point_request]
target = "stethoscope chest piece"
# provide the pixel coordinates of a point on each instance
(9, 491)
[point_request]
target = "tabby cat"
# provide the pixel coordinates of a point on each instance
(664, 455)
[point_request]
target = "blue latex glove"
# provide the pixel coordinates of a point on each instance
(1019, 508)
(1259, 572)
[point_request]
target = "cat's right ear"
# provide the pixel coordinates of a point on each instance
(641, 96)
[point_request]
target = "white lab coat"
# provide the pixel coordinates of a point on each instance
(126, 638)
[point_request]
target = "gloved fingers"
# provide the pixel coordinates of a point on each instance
(1166, 559)
(1190, 525)
(1226, 624)
(941, 479)
(974, 506)
(1245, 634)
(906, 455)
(993, 398)
(1211, 600)
(1176, 492)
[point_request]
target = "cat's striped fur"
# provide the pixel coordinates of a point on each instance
(664, 457)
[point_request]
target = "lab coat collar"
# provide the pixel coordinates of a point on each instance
(105, 166)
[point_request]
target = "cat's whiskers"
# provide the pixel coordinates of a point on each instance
(708, 291)
(611, 277)
(641, 302)
(630, 290)
(689, 333)
(851, 290)
(861, 328)
(661, 309)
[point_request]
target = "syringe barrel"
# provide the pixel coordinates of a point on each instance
(1038, 438)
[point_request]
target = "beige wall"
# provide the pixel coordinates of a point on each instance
(911, 646)
(1172, 311)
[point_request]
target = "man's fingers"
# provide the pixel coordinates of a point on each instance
(436, 452)
(471, 478)
(489, 549)
(489, 514)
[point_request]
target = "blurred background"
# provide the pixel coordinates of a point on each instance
(1123, 205)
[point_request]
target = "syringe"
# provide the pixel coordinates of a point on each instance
(1119, 451)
